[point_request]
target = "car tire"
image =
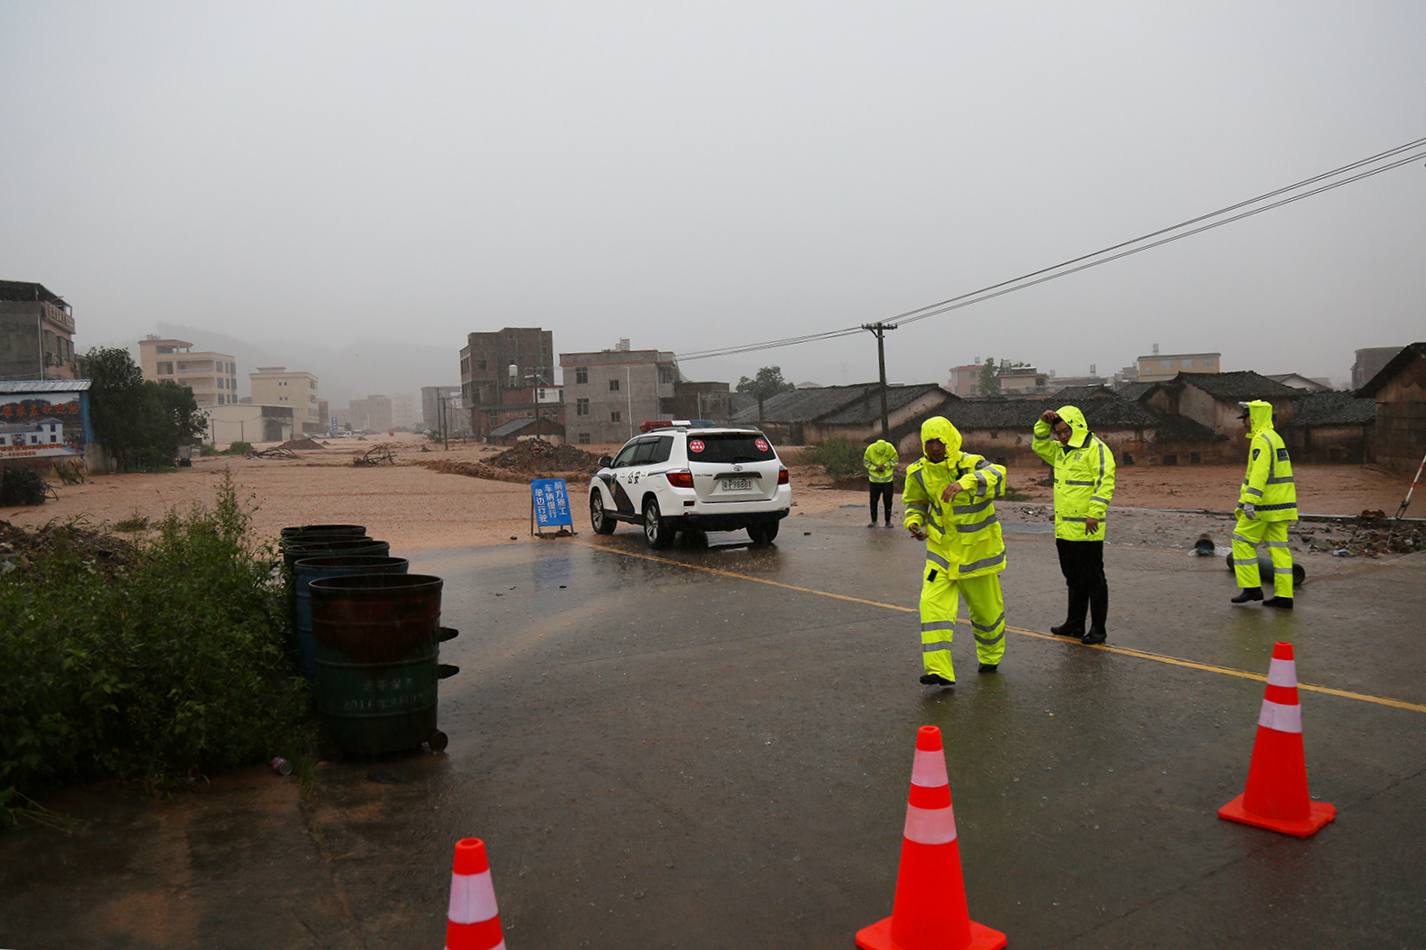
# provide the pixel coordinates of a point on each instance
(658, 532)
(762, 534)
(598, 520)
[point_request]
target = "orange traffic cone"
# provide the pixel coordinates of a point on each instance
(930, 908)
(472, 922)
(1276, 797)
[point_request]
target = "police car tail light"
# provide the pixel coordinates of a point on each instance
(680, 479)
(782, 478)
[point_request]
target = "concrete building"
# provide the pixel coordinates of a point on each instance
(403, 410)
(295, 389)
(1370, 362)
(372, 413)
(213, 377)
(1211, 399)
(1157, 367)
(610, 392)
(492, 365)
(248, 422)
(442, 409)
(965, 380)
(36, 333)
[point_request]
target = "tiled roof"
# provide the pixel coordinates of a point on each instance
(1239, 386)
(1133, 391)
(513, 426)
(1333, 408)
(858, 404)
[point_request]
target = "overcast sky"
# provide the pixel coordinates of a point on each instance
(692, 175)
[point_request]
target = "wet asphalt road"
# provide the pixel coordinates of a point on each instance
(712, 748)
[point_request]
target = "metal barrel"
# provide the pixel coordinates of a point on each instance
(310, 569)
(1265, 570)
(341, 530)
(376, 640)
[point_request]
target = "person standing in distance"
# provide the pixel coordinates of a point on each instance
(950, 504)
(880, 460)
(1084, 484)
(1267, 503)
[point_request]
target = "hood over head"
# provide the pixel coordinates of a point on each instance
(1079, 429)
(1260, 415)
(939, 427)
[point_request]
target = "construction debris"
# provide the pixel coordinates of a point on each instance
(278, 452)
(533, 458)
(382, 453)
(104, 552)
(305, 445)
(1372, 534)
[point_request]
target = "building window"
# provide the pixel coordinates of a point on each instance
(613, 417)
(613, 385)
(581, 407)
(480, 364)
(584, 438)
(581, 374)
(165, 369)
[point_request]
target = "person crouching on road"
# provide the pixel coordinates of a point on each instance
(1266, 505)
(880, 460)
(950, 504)
(1084, 484)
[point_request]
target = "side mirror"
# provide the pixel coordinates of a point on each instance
(605, 461)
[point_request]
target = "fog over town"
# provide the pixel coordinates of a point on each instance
(350, 189)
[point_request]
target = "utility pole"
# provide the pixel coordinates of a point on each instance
(880, 330)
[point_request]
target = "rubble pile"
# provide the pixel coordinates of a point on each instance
(1371, 534)
(104, 552)
(534, 458)
(305, 445)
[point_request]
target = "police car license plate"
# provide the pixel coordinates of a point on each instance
(737, 484)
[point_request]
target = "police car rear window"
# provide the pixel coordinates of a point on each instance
(729, 447)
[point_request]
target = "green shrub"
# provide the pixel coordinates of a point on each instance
(156, 669)
(837, 456)
(238, 448)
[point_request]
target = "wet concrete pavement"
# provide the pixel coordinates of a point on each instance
(712, 748)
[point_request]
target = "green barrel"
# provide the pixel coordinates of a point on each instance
(376, 640)
(310, 569)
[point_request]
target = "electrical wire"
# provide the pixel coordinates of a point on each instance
(1114, 252)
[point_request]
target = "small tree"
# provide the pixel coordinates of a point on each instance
(990, 375)
(769, 383)
(140, 422)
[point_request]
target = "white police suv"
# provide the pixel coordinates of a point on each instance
(678, 476)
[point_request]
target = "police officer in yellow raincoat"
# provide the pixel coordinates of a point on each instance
(1084, 485)
(950, 504)
(1267, 503)
(880, 460)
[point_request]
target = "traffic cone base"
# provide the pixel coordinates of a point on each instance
(878, 937)
(1319, 813)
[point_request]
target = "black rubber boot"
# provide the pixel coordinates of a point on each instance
(1284, 602)
(1098, 612)
(1249, 595)
(1074, 616)
(935, 679)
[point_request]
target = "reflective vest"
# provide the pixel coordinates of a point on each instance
(1084, 476)
(880, 460)
(1268, 483)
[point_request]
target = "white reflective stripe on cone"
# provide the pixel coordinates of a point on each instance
(930, 825)
(472, 898)
(1282, 673)
(1280, 717)
(928, 769)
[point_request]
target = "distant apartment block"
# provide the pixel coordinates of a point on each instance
(441, 409)
(965, 380)
(1157, 368)
(1370, 361)
(36, 333)
(279, 386)
(608, 394)
(403, 410)
(213, 377)
(373, 413)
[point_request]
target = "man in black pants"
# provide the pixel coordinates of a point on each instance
(880, 460)
(1084, 484)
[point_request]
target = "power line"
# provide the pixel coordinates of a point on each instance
(1362, 168)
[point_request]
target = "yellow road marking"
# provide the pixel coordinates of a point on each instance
(1123, 651)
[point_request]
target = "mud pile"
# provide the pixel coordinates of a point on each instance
(303, 444)
(534, 458)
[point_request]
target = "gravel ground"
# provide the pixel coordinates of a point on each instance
(414, 508)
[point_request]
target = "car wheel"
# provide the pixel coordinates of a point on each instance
(762, 534)
(602, 523)
(657, 531)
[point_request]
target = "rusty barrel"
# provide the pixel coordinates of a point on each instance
(309, 569)
(376, 639)
(296, 532)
